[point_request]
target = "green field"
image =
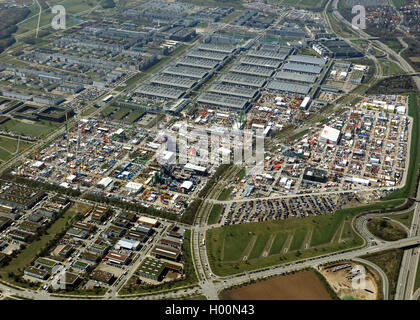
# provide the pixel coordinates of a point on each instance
(37, 129)
(404, 218)
(278, 243)
(224, 195)
(347, 231)
(9, 145)
(120, 113)
(390, 68)
(226, 246)
(393, 43)
(259, 246)
(306, 4)
(214, 214)
(389, 261)
(297, 240)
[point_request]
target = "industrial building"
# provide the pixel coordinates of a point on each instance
(261, 62)
(288, 87)
(315, 175)
(232, 90)
(307, 60)
(330, 135)
(223, 101)
(160, 92)
(242, 80)
(188, 72)
(252, 70)
(152, 269)
(173, 81)
(302, 68)
(296, 77)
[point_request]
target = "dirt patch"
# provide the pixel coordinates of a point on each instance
(415, 59)
(341, 282)
(303, 285)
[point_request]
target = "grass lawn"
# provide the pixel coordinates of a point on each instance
(235, 242)
(37, 130)
(297, 240)
(135, 115)
(393, 43)
(404, 218)
(386, 230)
(225, 194)
(88, 111)
(390, 68)
(389, 261)
(214, 214)
(347, 231)
(259, 246)
(226, 245)
(278, 243)
(121, 113)
(8, 147)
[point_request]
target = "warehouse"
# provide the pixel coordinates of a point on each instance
(294, 67)
(36, 273)
(194, 168)
(268, 54)
(315, 175)
(146, 230)
(233, 91)
(148, 221)
(189, 72)
(307, 60)
(356, 180)
(252, 70)
(330, 135)
(117, 258)
(172, 242)
(133, 187)
(223, 101)
(173, 81)
(296, 77)
(242, 80)
(160, 92)
(217, 56)
(197, 62)
(129, 244)
(102, 276)
(165, 252)
(262, 62)
(288, 87)
(228, 49)
(152, 269)
(105, 182)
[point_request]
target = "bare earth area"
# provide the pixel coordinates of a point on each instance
(342, 285)
(299, 286)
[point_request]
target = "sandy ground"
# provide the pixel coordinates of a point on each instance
(299, 286)
(343, 286)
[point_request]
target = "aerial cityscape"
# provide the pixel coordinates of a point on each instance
(209, 150)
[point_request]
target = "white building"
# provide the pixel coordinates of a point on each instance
(134, 187)
(330, 135)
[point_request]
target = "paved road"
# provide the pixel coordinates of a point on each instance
(385, 282)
